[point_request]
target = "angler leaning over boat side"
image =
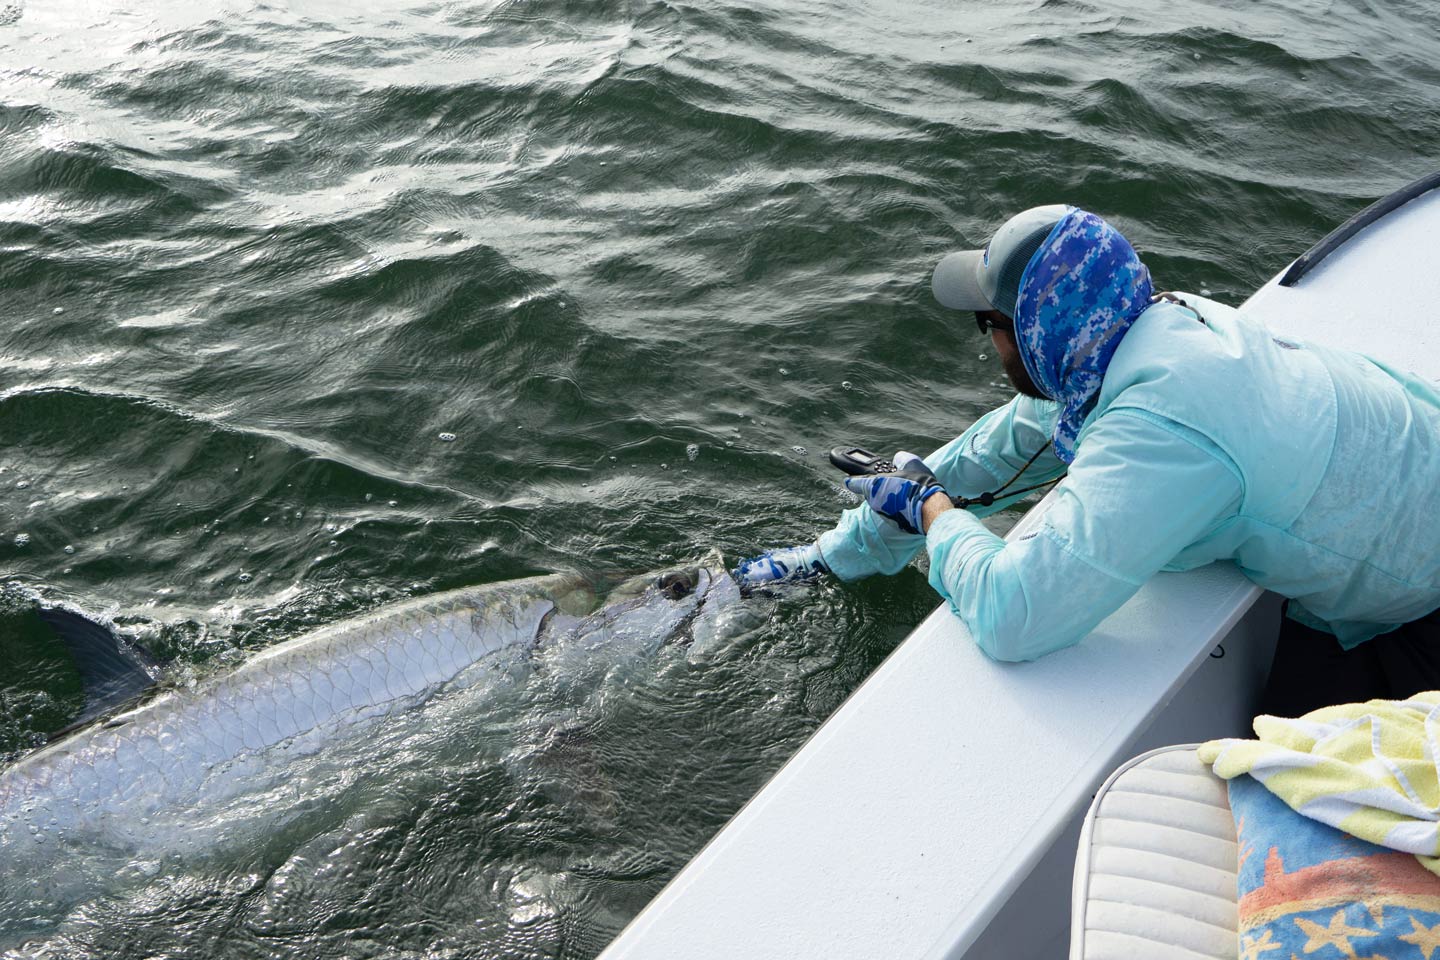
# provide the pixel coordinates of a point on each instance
(1186, 433)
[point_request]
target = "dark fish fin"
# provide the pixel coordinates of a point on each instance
(112, 670)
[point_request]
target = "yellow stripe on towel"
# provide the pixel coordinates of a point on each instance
(1369, 769)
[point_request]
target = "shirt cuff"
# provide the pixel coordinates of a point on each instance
(840, 553)
(953, 534)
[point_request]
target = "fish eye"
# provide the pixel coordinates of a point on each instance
(675, 585)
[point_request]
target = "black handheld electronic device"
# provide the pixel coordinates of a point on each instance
(858, 461)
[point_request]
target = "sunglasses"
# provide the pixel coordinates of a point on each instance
(989, 320)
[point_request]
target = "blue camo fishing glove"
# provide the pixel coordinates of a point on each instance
(787, 563)
(899, 496)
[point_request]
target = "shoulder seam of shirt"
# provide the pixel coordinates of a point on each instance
(982, 459)
(998, 469)
(1069, 548)
(1190, 435)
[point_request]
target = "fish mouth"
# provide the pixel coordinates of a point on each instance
(679, 584)
(676, 584)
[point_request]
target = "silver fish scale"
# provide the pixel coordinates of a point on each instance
(165, 748)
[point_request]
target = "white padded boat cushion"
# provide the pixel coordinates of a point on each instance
(1155, 872)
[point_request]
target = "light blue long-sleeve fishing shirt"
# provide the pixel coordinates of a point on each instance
(1316, 471)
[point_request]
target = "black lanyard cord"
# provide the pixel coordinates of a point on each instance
(990, 496)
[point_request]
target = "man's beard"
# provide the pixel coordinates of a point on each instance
(1019, 377)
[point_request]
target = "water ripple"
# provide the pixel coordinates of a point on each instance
(258, 260)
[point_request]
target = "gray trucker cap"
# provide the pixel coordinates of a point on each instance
(989, 279)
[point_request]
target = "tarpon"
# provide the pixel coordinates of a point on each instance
(185, 741)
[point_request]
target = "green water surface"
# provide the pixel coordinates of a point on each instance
(309, 306)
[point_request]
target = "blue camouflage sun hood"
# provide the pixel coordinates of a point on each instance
(1080, 292)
